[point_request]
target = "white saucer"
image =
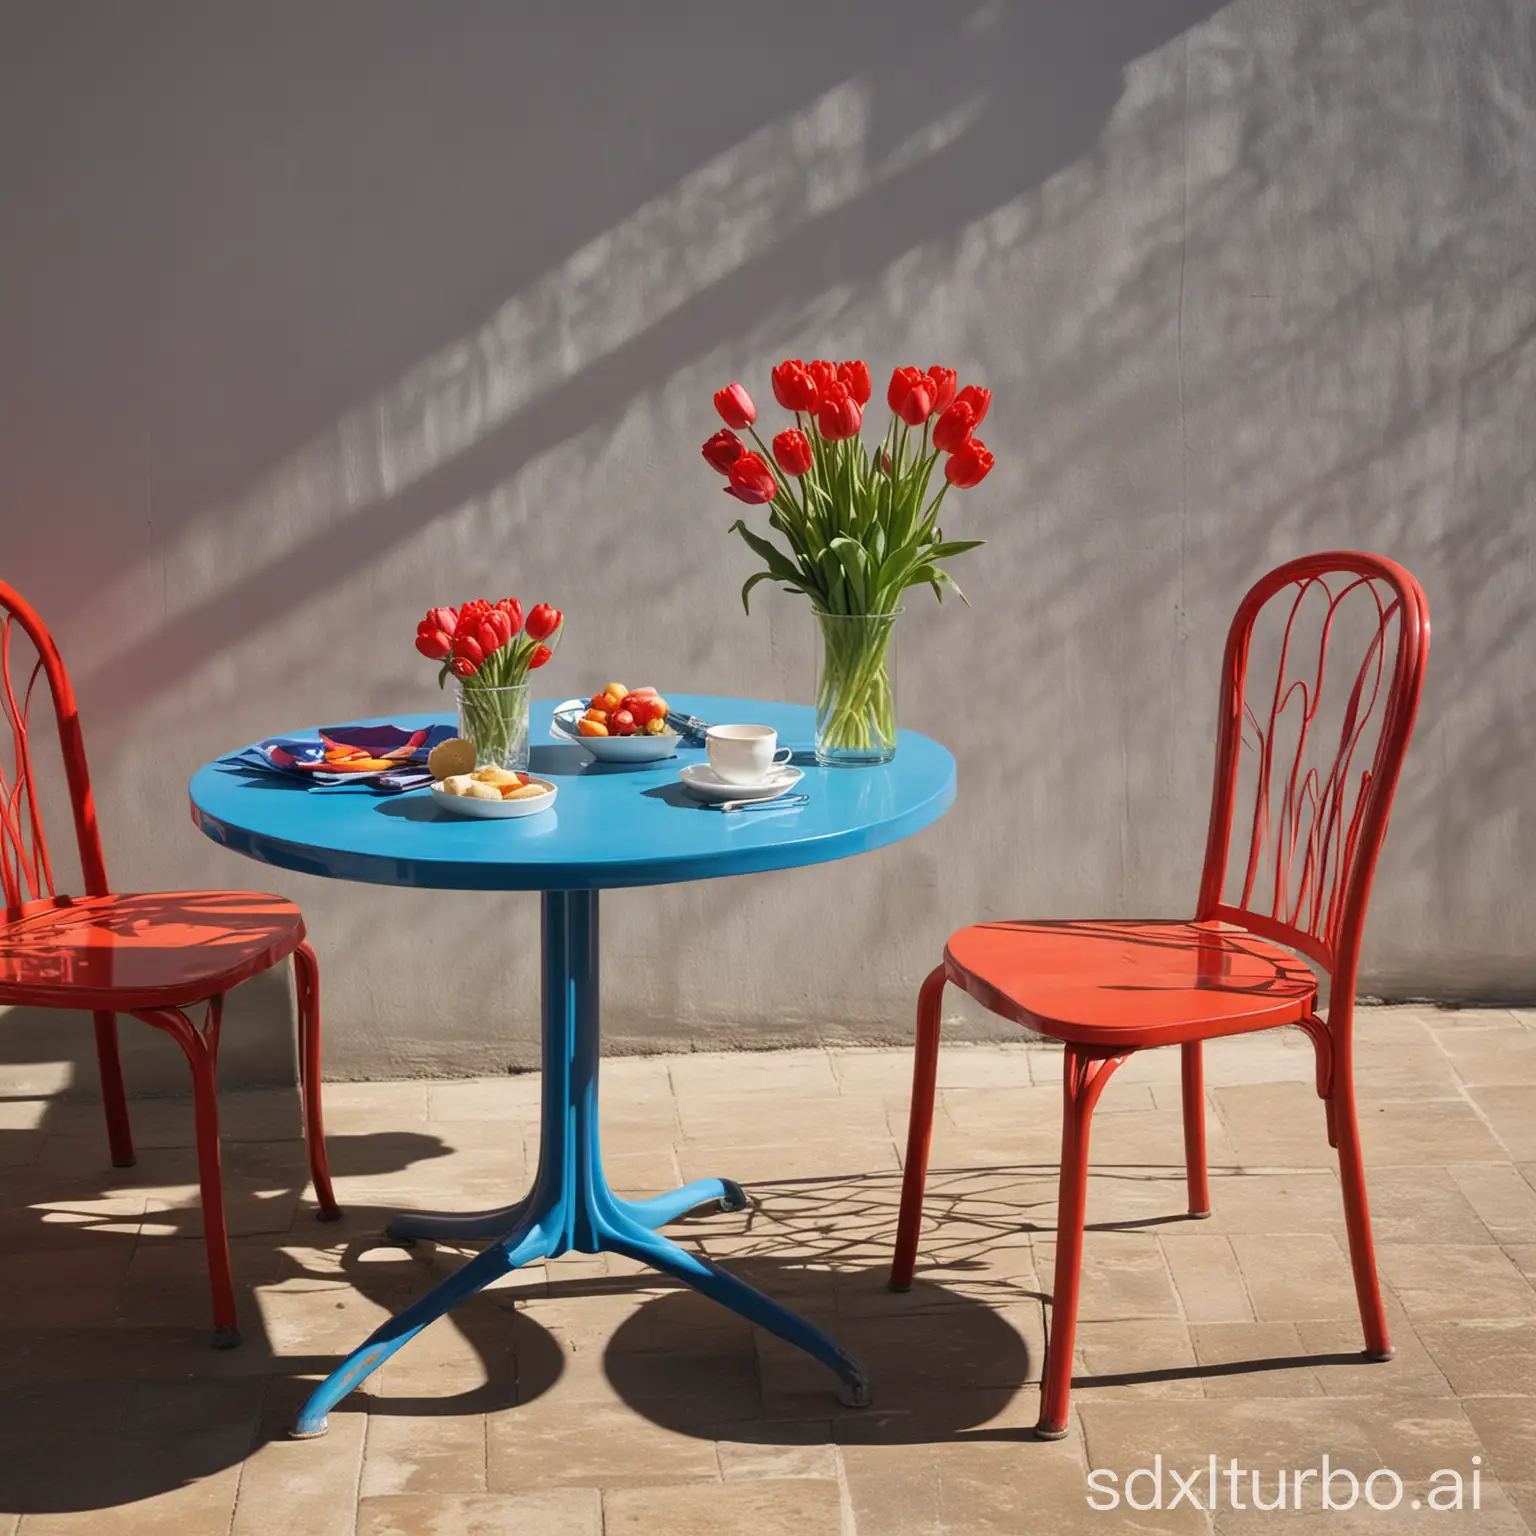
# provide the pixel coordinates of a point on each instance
(703, 783)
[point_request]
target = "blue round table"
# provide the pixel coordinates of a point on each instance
(611, 826)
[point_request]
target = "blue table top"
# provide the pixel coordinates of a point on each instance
(610, 826)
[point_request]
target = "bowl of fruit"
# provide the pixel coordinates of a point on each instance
(493, 793)
(618, 725)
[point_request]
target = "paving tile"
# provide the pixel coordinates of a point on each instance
(1339, 1362)
(300, 1485)
(560, 1441)
(1304, 1277)
(1506, 1428)
(910, 1360)
(799, 1506)
(555, 1512)
(1147, 1357)
(1436, 1281)
(1511, 1111)
(1503, 1201)
(1523, 1257)
(1481, 1358)
(1124, 1275)
(1282, 1125)
(1208, 1280)
(1260, 1360)
(1303, 1201)
(786, 1076)
(1488, 1048)
(442, 1453)
(756, 1452)
(986, 1489)
(1426, 1204)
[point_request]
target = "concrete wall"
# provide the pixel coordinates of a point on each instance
(313, 314)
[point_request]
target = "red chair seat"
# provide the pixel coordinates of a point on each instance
(1130, 983)
(154, 950)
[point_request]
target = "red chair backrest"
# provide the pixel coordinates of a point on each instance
(1299, 868)
(26, 873)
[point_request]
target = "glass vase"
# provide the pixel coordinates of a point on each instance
(856, 689)
(496, 721)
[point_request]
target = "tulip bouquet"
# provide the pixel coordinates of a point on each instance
(491, 648)
(857, 525)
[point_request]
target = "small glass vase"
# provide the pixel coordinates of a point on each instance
(856, 689)
(496, 721)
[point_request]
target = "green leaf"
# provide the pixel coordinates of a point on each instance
(855, 564)
(953, 547)
(752, 581)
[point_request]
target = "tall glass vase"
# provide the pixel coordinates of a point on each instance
(496, 721)
(856, 689)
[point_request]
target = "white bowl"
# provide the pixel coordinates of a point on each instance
(610, 749)
(496, 810)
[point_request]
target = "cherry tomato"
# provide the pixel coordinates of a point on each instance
(592, 728)
(600, 702)
(645, 710)
(621, 723)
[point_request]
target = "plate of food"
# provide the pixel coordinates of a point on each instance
(618, 725)
(494, 794)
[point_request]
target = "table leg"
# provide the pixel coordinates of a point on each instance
(570, 1206)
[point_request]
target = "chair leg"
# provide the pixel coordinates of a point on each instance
(114, 1097)
(306, 975)
(1194, 1129)
(925, 1073)
(201, 1048)
(1083, 1079)
(1344, 1123)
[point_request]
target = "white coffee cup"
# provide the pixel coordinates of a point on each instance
(744, 754)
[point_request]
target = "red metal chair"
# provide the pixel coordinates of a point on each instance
(1108, 989)
(153, 956)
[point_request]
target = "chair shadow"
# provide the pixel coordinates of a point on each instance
(113, 1410)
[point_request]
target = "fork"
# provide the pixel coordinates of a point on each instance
(781, 803)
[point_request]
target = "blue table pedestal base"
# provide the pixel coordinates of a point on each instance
(571, 1208)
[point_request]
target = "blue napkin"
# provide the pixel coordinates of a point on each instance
(303, 757)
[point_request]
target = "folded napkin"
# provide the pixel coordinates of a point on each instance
(302, 757)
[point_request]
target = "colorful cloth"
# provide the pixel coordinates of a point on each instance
(303, 757)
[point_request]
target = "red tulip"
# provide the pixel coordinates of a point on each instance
(467, 648)
(839, 418)
(440, 618)
(952, 428)
(968, 465)
(979, 400)
(825, 375)
(514, 612)
(434, 644)
(903, 381)
(543, 621)
(541, 654)
(462, 666)
(793, 386)
(792, 452)
(470, 614)
(944, 387)
(494, 631)
(735, 406)
(856, 376)
(751, 480)
(915, 406)
(722, 450)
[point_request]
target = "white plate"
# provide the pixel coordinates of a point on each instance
(702, 782)
(610, 749)
(496, 810)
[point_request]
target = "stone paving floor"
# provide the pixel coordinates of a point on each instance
(588, 1397)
